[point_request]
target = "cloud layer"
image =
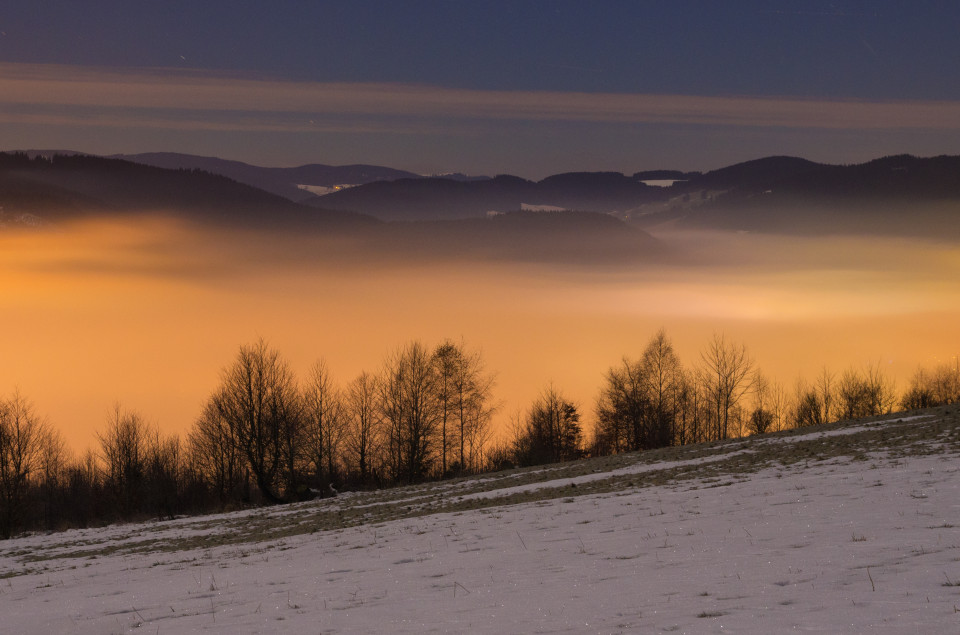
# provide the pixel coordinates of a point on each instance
(64, 95)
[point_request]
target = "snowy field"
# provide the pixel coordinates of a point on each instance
(852, 528)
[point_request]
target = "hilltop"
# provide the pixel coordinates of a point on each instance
(842, 528)
(898, 195)
(296, 183)
(67, 186)
(38, 188)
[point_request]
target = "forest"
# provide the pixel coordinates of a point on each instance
(266, 436)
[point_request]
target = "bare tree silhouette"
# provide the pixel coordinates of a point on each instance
(258, 398)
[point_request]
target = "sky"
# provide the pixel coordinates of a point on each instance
(147, 314)
(529, 88)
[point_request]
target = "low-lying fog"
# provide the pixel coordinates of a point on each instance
(146, 312)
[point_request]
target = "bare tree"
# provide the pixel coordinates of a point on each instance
(920, 393)
(761, 416)
(640, 402)
(663, 374)
(324, 422)
(685, 419)
(938, 387)
(883, 392)
(499, 456)
(826, 393)
(807, 407)
(21, 435)
(52, 473)
(865, 394)
(552, 431)
(621, 408)
(215, 452)
(725, 375)
(363, 425)
(447, 361)
(165, 475)
(946, 383)
(510, 451)
(475, 416)
(778, 406)
(258, 398)
(410, 408)
(463, 391)
(695, 409)
(123, 453)
(84, 500)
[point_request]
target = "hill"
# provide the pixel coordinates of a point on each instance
(847, 528)
(58, 188)
(446, 199)
(894, 196)
(61, 187)
(898, 195)
(283, 182)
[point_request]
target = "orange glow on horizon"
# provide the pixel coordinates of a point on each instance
(147, 312)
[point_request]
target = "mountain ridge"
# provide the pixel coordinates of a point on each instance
(70, 185)
(766, 194)
(39, 190)
(897, 194)
(281, 181)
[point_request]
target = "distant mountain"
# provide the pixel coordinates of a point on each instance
(459, 176)
(896, 195)
(665, 175)
(47, 154)
(440, 198)
(901, 177)
(754, 175)
(432, 198)
(281, 181)
(53, 188)
(58, 187)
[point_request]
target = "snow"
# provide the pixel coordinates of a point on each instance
(319, 190)
(528, 207)
(662, 182)
(828, 544)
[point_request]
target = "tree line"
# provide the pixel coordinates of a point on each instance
(265, 436)
(425, 414)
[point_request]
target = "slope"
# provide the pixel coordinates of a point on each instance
(60, 188)
(843, 528)
(280, 181)
(65, 186)
(895, 196)
(440, 198)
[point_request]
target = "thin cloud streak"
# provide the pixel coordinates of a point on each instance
(209, 121)
(193, 100)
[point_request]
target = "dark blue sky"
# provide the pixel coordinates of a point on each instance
(817, 51)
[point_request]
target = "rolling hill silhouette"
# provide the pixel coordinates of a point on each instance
(58, 188)
(895, 195)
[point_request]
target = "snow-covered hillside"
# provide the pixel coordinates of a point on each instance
(852, 528)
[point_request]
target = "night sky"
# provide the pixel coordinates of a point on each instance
(529, 88)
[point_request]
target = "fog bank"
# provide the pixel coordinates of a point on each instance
(146, 311)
